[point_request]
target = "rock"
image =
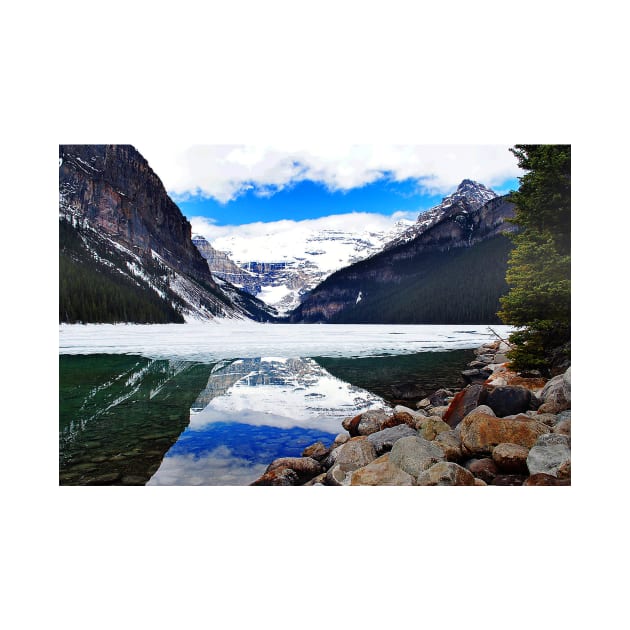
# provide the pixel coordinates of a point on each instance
(305, 468)
(381, 472)
(511, 458)
(557, 392)
(342, 438)
(548, 419)
(355, 453)
(505, 377)
(500, 358)
(278, 477)
(446, 474)
(415, 454)
(564, 471)
(542, 479)
(563, 427)
(505, 401)
(509, 480)
(398, 419)
(476, 375)
(365, 423)
(548, 454)
(482, 409)
(331, 458)
(384, 440)
(317, 451)
(479, 482)
(485, 468)
(336, 476)
(451, 445)
(430, 427)
(462, 404)
(553, 407)
(316, 481)
(481, 432)
(439, 398)
(425, 402)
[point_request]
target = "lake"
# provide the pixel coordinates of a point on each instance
(215, 403)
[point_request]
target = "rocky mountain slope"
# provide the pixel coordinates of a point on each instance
(447, 268)
(125, 248)
(280, 267)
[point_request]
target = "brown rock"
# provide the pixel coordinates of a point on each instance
(481, 432)
(479, 482)
(553, 407)
(564, 471)
(431, 427)
(563, 427)
(305, 468)
(355, 453)
(381, 472)
(485, 468)
(462, 404)
(542, 479)
(402, 417)
(511, 458)
(446, 474)
(451, 445)
(278, 477)
(317, 451)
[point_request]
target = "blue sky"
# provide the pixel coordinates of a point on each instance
(310, 200)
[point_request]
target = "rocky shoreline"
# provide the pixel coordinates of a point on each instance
(503, 429)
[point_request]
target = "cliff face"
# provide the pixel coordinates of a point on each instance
(456, 225)
(122, 231)
(114, 187)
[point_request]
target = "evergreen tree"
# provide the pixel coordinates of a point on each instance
(539, 267)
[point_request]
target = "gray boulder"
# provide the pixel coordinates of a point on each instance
(415, 455)
(549, 453)
(384, 440)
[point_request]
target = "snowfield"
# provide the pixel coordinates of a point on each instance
(222, 339)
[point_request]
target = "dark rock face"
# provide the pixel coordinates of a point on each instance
(121, 215)
(114, 187)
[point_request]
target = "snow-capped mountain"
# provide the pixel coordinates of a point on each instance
(469, 197)
(125, 247)
(280, 267)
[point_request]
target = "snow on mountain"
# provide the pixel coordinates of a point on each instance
(282, 261)
(469, 196)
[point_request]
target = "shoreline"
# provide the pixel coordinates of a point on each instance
(503, 428)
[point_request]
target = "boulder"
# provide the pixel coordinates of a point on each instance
(476, 375)
(511, 458)
(446, 474)
(402, 417)
(331, 458)
(484, 468)
(542, 479)
(355, 453)
(317, 451)
(548, 454)
(336, 476)
(548, 419)
(342, 438)
(428, 428)
(365, 423)
(439, 398)
(563, 427)
(505, 401)
(381, 472)
(503, 377)
(557, 392)
(451, 445)
(384, 440)
(415, 454)
(481, 432)
(462, 404)
(305, 468)
(479, 482)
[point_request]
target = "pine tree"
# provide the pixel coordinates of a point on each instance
(539, 267)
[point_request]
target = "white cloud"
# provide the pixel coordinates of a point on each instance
(225, 171)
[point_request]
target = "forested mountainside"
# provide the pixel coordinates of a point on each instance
(449, 269)
(125, 248)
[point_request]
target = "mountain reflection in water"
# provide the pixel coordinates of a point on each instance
(128, 420)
